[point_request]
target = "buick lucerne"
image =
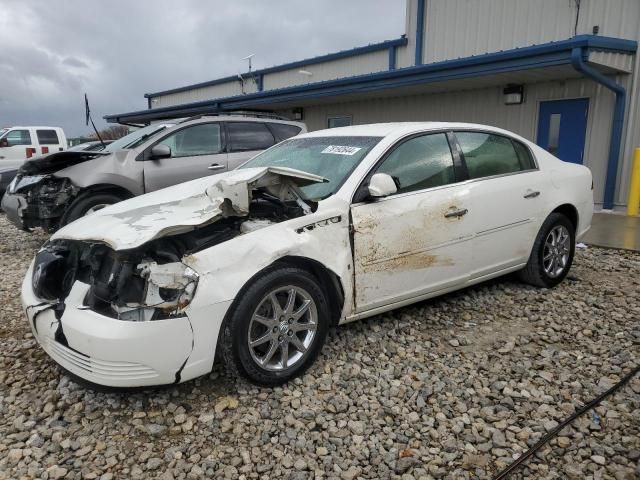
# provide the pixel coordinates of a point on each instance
(253, 266)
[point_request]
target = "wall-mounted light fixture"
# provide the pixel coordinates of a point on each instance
(298, 113)
(513, 94)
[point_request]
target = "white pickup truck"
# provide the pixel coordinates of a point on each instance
(17, 144)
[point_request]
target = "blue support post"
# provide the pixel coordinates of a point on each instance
(392, 58)
(420, 32)
(617, 125)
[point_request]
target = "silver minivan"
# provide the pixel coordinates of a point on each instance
(52, 190)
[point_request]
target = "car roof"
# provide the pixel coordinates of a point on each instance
(33, 126)
(399, 129)
(240, 118)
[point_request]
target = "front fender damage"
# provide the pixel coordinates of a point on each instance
(132, 265)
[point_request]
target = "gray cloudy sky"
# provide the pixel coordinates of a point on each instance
(52, 51)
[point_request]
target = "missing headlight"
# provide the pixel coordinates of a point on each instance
(54, 271)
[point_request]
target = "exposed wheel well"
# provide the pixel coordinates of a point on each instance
(570, 212)
(106, 188)
(329, 281)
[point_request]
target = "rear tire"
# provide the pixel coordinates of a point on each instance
(281, 315)
(87, 203)
(552, 253)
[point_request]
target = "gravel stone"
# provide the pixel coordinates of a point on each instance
(452, 388)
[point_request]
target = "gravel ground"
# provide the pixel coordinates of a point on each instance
(456, 387)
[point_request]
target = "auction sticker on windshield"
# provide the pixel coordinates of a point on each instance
(341, 150)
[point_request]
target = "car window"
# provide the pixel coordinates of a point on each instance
(245, 136)
(200, 139)
(18, 137)
(524, 155)
(282, 131)
(136, 137)
(420, 162)
(47, 137)
(486, 154)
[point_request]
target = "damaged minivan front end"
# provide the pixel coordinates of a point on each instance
(37, 197)
(110, 297)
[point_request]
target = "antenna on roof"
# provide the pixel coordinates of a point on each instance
(249, 57)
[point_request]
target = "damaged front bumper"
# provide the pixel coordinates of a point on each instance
(108, 351)
(38, 201)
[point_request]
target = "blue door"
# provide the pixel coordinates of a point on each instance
(562, 128)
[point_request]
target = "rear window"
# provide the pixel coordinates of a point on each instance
(524, 155)
(283, 131)
(245, 136)
(487, 155)
(47, 137)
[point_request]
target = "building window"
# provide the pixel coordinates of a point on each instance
(339, 121)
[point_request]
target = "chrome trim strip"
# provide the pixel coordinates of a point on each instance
(504, 227)
(423, 250)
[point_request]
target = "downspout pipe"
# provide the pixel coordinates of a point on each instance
(419, 32)
(577, 60)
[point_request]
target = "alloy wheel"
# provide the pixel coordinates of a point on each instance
(282, 328)
(557, 248)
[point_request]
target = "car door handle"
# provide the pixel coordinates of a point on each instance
(215, 166)
(531, 194)
(456, 214)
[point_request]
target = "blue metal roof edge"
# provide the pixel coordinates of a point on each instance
(373, 47)
(555, 53)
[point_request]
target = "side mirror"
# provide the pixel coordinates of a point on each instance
(382, 185)
(160, 151)
(4, 142)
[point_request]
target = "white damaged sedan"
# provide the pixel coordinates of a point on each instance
(255, 265)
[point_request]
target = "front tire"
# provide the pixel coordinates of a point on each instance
(552, 253)
(88, 203)
(277, 328)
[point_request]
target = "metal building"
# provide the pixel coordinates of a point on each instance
(563, 73)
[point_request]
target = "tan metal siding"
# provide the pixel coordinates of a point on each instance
(205, 93)
(615, 18)
(617, 61)
(486, 106)
(344, 67)
(631, 135)
(460, 28)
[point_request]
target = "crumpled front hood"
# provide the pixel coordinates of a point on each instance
(52, 162)
(184, 207)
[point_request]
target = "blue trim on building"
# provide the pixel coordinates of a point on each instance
(578, 55)
(392, 58)
(419, 33)
(374, 47)
(537, 56)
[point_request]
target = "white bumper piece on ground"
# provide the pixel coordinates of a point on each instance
(118, 353)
